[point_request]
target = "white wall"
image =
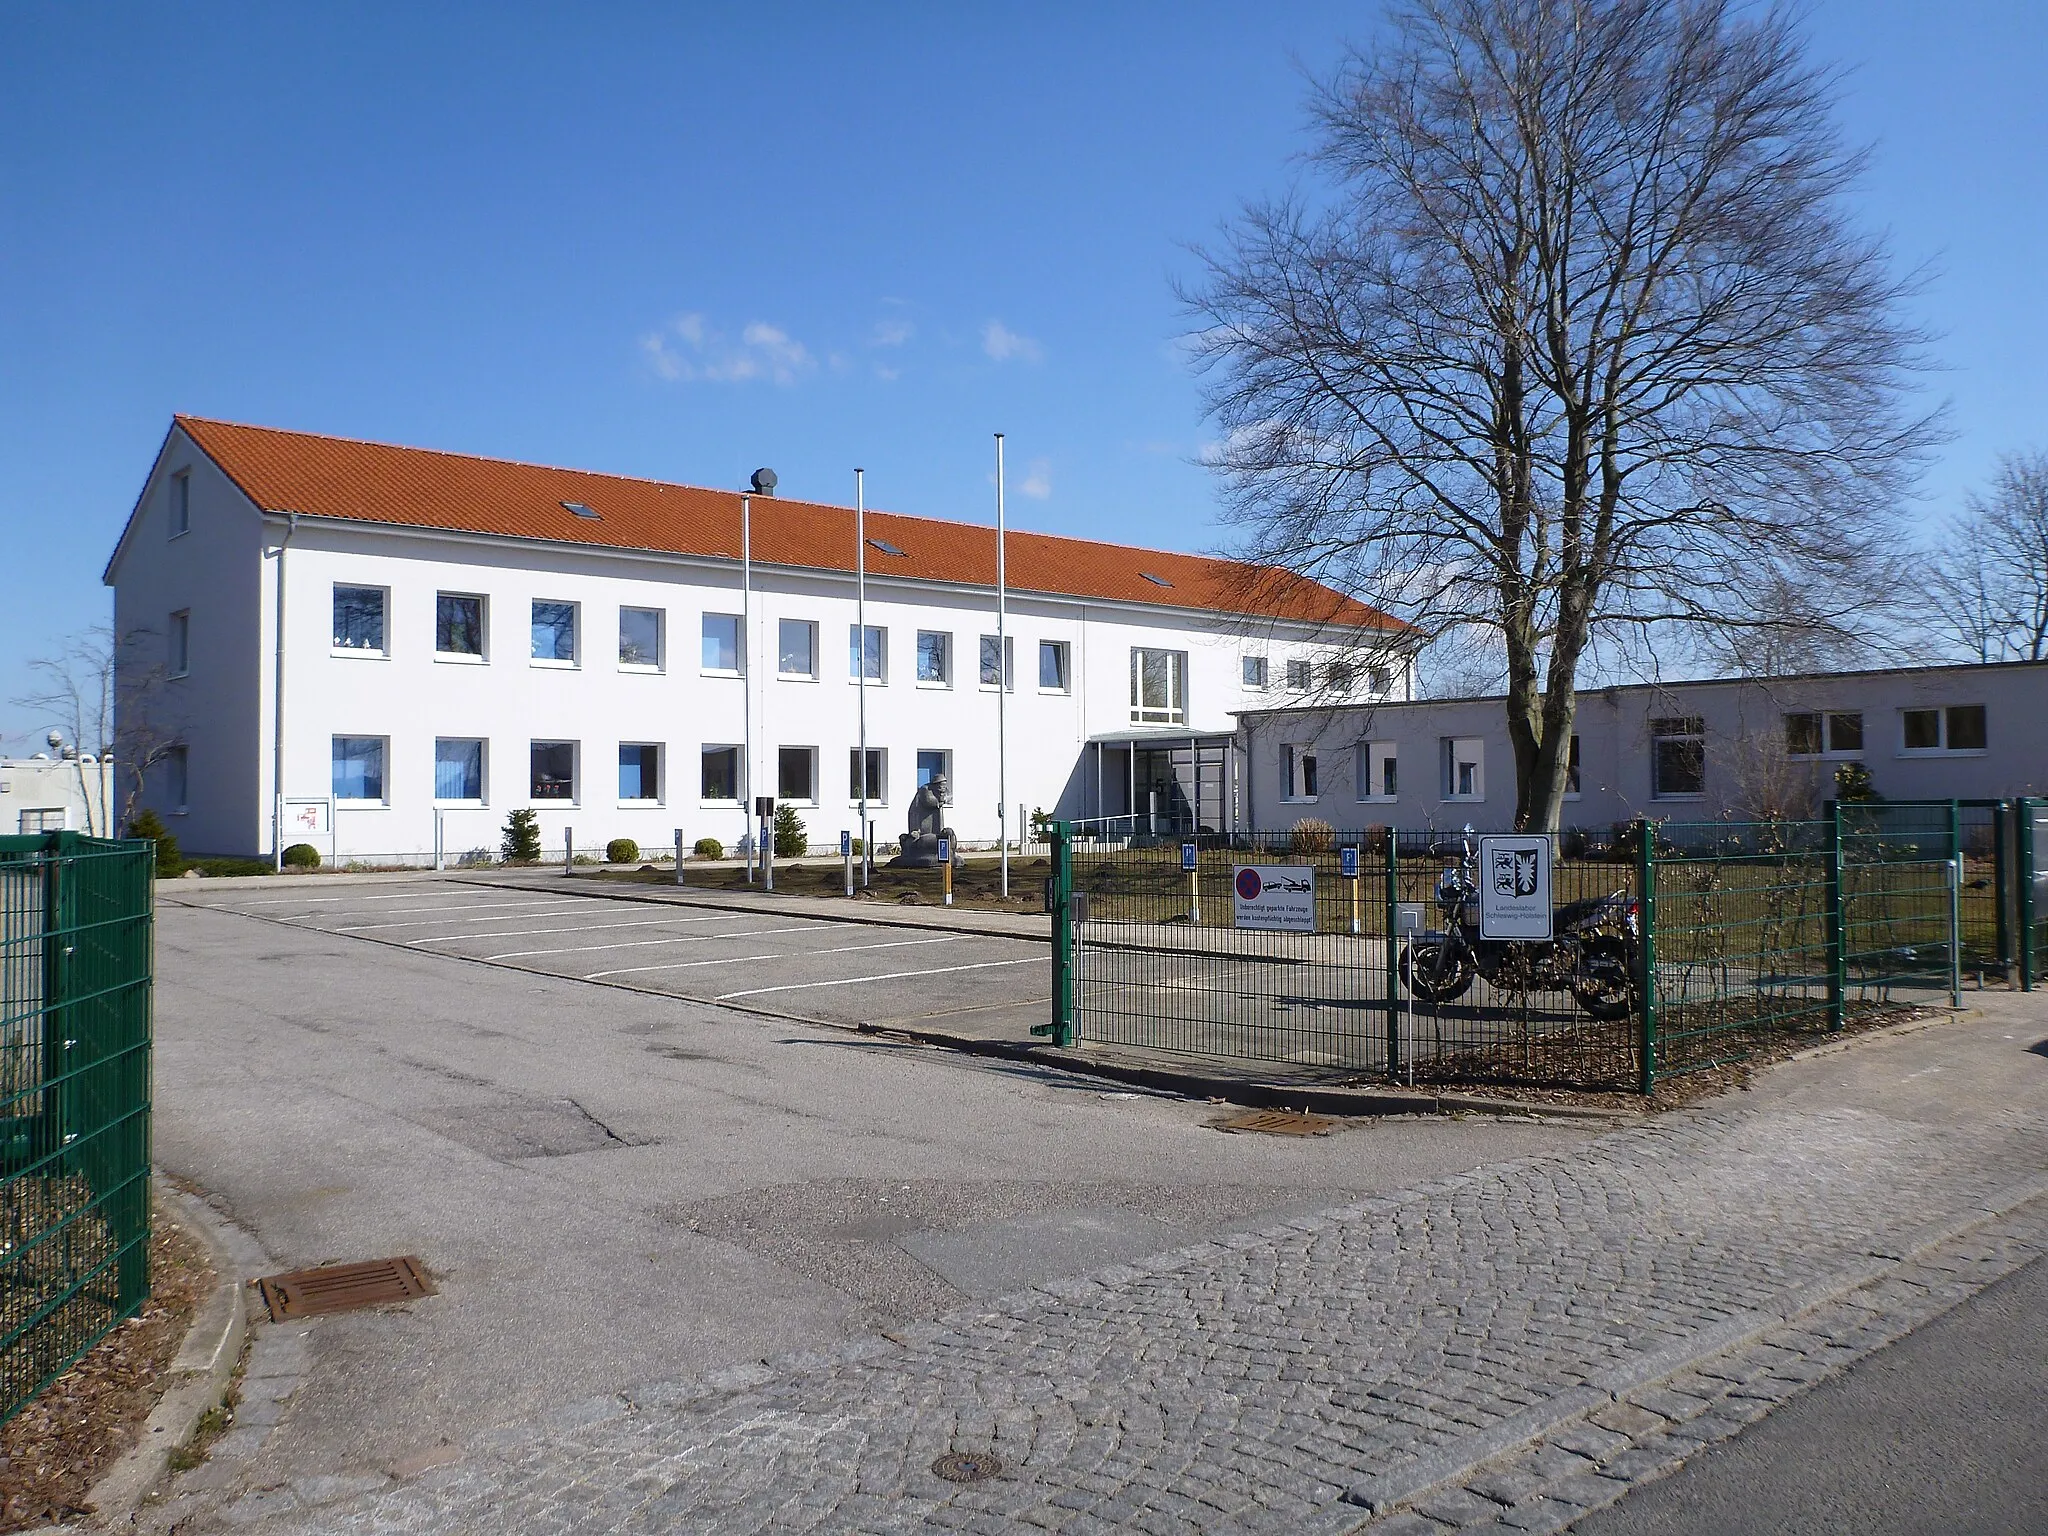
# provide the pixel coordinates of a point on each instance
(79, 794)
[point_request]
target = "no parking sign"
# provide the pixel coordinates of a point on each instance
(1275, 896)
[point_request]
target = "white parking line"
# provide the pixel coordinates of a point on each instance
(315, 901)
(682, 938)
(520, 933)
(510, 909)
(847, 981)
(848, 949)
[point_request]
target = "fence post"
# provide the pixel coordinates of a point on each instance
(2027, 853)
(1061, 1027)
(1838, 928)
(568, 850)
(1646, 884)
(1393, 905)
(1955, 904)
(2001, 867)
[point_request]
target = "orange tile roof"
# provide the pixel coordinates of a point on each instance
(338, 477)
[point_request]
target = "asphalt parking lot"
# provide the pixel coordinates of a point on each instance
(768, 961)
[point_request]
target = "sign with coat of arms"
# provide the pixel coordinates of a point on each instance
(1514, 887)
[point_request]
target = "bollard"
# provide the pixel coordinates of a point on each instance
(679, 855)
(846, 853)
(568, 850)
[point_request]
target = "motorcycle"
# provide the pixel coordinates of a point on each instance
(1594, 952)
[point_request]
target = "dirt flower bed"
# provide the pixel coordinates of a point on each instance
(63, 1441)
(977, 882)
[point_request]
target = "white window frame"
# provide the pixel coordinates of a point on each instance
(945, 677)
(660, 796)
(880, 795)
(482, 655)
(1657, 792)
(1941, 714)
(178, 661)
(575, 796)
(576, 645)
(383, 798)
(1255, 672)
(1009, 663)
(857, 655)
(483, 770)
(738, 772)
(660, 662)
(361, 652)
(811, 645)
(1299, 763)
(806, 800)
(945, 754)
(178, 516)
(1379, 679)
(739, 644)
(1300, 674)
(1065, 652)
(1366, 763)
(1175, 710)
(1455, 754)
(1829, 752)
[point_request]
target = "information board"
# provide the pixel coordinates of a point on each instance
(1275, 896)
(1514, 887)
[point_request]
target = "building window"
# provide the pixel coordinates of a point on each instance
(1337, 677)
(554, 632)
(1255, 672)
(359, 619)
(1298, 676)
(1957, 728)
(639, 771)
(41, 819)
(935, 766)
(796, 648)
(999, 661)
(1159, 687)
(553, 771)
(458, 769)
(1571, 769)
(1379, 679)
(796, 774)
(640, 638)
(1464, 768)
(1377, 774)
(934, 656)
(180, 658)
(1813, 734)
(877, 777)
(181, 503)
(177, 777)
(1052, 666)
(458, 625)
(1298, 772)
(867, 652)
(722, 643)
(359, 768)
(719, 776)
(1678, 757)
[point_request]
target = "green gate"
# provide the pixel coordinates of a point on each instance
(75, 963)
(2031, 817)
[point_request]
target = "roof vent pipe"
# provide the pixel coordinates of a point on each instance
(764, 482)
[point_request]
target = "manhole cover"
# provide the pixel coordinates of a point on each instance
(967, 1467)
(1279, 1122)
(342, 1287)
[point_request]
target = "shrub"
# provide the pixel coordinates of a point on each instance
(1855, 786)
(621, 850)
(169, 863)
(522, 837)
(302, 856)
(222, 868)
(709, 848)
(1311, 835)
(791, 838)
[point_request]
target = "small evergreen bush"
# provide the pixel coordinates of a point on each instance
(621, 850)
(709, 848)
(522, 837)
(169, 863)
(302, 856)
(792, 839)
(1855, 786)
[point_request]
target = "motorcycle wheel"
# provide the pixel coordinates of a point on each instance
(1605, 982)
(1434, 972)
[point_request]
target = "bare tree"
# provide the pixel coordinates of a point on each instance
(1991, 591)
(109, 698)
(1573, 343)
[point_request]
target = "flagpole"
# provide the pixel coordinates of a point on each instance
(860, 661)
(747, 677)
(1002, 678)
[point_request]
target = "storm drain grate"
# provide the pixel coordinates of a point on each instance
(967, 1467)
(1279, 1122)
(343, 1287)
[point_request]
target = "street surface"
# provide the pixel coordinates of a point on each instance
(633, 1200)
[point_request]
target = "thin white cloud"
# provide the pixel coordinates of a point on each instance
(892, 332)
(691, 351)
(1003, 344)
(886, 374)
(1037, 481)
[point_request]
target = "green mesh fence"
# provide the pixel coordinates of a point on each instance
(75, 939)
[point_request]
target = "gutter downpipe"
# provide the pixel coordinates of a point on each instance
(277, 708)
(860, 663)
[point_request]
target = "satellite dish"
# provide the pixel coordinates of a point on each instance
(764, 482)
(55, 739)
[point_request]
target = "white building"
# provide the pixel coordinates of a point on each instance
(371, 639)
(55, 793)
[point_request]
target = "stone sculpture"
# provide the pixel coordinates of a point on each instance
(920, 844)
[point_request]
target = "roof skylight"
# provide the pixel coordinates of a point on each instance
(580, 510)
(888, 549)
(1157, 581)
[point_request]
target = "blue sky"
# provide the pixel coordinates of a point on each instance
(675, 242)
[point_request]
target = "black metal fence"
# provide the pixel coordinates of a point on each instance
(75, 962)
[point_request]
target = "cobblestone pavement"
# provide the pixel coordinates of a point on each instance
(1313, 1377)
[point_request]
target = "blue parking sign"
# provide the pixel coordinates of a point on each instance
(1187, 858)
(945, 850)
(1347, 863)
(846, 845)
